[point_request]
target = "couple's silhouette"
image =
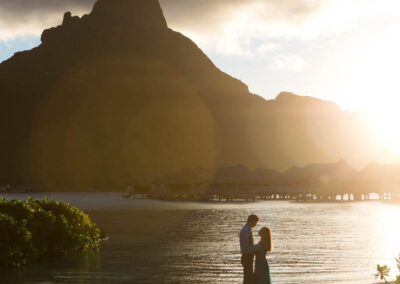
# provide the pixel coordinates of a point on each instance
(261, 273)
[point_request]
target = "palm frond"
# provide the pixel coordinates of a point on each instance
(382, 272)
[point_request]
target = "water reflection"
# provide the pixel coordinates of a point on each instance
(154, 242)
(386, 227)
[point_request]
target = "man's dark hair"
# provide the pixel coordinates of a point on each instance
(252, 218)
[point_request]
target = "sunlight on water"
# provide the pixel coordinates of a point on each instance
(167, 242)
(386, 224)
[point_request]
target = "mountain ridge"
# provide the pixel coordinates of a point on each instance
(109, 97)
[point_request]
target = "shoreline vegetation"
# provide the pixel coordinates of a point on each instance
(34, 229)
(324, 179)
(324, 182)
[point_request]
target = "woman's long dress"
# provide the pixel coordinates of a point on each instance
(262, 274)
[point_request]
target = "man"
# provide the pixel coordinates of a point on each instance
(248, 249)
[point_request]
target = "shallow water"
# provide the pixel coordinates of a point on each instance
(168, 242)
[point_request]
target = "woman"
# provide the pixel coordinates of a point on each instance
(262, 274)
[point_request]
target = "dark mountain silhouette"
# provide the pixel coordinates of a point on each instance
(116, 96)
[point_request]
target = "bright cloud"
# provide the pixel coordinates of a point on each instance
(288, 62)
(266, 48)
(26, 18)
(232, 27)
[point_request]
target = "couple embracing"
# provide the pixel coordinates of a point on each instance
(261, 274)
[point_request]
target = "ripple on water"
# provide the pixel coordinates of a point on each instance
(167, 242)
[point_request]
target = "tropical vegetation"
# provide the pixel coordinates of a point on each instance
(383, 271)
(33, 229)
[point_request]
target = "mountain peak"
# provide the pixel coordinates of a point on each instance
(145, 13)
(285, 95)
(291, 99)
(119, 19)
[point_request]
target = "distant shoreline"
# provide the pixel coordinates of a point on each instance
(115, 201)
(342, 201)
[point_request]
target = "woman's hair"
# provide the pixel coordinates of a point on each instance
(265, 234)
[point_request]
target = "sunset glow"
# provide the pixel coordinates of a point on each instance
(370, 82)
(385, 122)
(201, 141)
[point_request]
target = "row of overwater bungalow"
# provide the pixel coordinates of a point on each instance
(314, 182)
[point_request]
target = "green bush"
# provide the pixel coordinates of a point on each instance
(15, 242)
(35, 228)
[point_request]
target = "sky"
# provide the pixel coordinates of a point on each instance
(338, 50)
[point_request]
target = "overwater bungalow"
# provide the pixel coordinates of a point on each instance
(229, 183)
(381, 179)
(322, 181)
(314, 182)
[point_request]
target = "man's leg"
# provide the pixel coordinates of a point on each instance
(248, 272)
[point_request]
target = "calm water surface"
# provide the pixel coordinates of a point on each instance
(167, 242)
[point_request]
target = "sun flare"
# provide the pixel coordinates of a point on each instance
(370, 81)
(385, 122)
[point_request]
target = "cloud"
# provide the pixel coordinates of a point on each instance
(22, 18)
(236, 27)
(203, 15)
(230, 27)
(266, 48)
(287, 62)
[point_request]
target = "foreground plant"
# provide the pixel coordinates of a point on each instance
(398, 267)
(33, 229)
(384, 271)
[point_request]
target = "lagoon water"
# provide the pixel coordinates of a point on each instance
(168, 242)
